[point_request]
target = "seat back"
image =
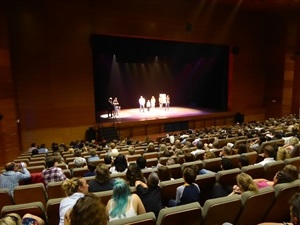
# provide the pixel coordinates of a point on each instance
(212, 164)
(293, 161)
(146, 172)
(168, 189)
(198, 163)
(30, 193)
(175, 171)
(35, 169)
(132, 158)
(151, 155)
(6, 198)
(272, 168)
(52, 210)
(54, 190)
(255, 171)
(142, 219)
(178, 215)
(79, 172)
(280, 209)
(227, 177)
(35, 208)
(151, 162)
(252, 202)
(205, 183)
(37, 163)
(221, 210)
(251, 156)
(234, 160)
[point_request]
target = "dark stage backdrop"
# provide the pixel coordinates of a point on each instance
(192, 74)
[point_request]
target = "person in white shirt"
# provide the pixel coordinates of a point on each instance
(268, 154)
(142, 102)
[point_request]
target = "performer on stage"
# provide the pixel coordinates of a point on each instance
(148, 105)
(142, 102)
(167, 102)
(116, 106)
(160, 101)
(153, 100)
(110, 107)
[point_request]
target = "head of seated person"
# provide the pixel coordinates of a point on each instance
(226, 164)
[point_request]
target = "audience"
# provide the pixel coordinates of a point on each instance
(88, 210)
(12, 175)
(103, 181)
(91, 168)
(119, 164)
(133, 174)
(150, 193)
(244, 183)
(27, 219)
(188, 192)
(123, 203)
(74, 189)
(52, 173)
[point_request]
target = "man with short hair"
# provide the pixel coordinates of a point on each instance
(52, 173)
(13, 174)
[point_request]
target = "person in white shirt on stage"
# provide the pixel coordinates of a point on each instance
(153, 101)
(142, 102)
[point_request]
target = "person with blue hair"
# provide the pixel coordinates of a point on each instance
(123, 203)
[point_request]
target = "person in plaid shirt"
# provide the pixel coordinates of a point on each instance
(52, 173)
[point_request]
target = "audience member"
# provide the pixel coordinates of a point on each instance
(244, 183)
(94, 156)
(119, 164)
(107, 159)
(27, 219)
(91, 168)
(288, 174)
(164, 173)
(150, 193)
(133, 174)
(141, 162)
(43, 149)
(13, 174)
(52, 173)
(88, 210)
(32, 146)
(188, 192)
(282, 154)
(131, 150)
(103, 181)
(79, 161)
(268, 154)
(243, 161)
(74, 189)
(123, 203)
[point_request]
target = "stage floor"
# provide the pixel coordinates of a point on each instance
(134, 114)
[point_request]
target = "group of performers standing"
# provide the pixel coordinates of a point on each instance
(151, 103)
(113, 106)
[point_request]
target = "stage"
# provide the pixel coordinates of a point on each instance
(133, 122)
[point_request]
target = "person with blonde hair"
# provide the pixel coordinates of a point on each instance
(282, 154)
(244, 183)
(123, 203)
(74, 188)
(88, 210)
(15, 219)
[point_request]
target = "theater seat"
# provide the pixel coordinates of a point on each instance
(30, 193)
(6, 198)
(142, 219)
(280, 209)
(221, 210)
(54, 190)
(184, 214)
(168, 189)
(252, 205)
(35, 208)
(52, 210)
(272, 168)
(255, 171)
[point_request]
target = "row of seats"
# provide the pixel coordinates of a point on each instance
(23, 193)
(248, 208)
